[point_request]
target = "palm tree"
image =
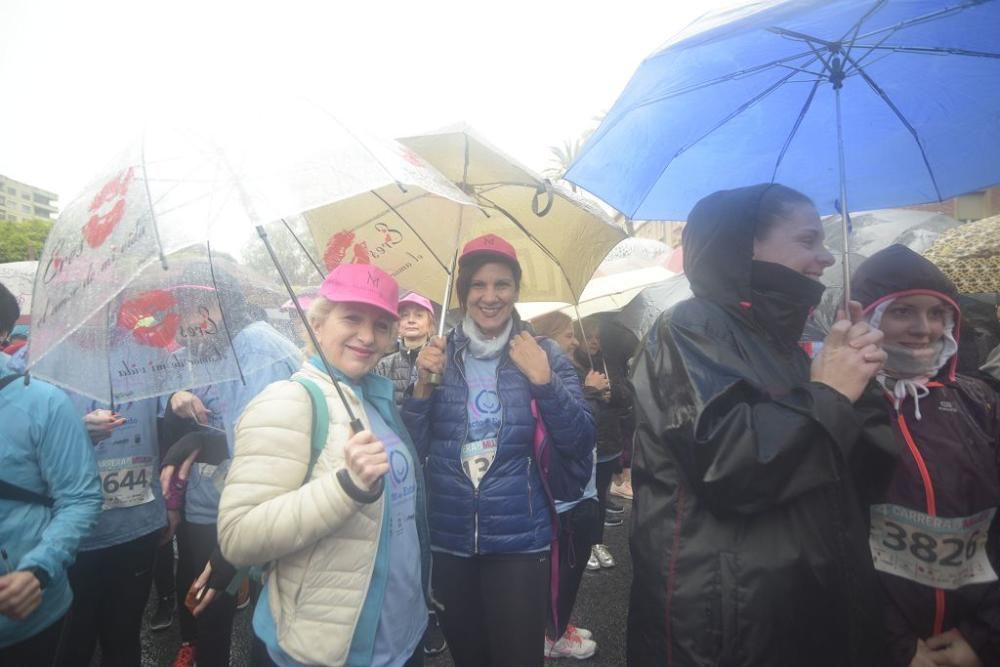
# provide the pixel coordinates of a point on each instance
(562, 157)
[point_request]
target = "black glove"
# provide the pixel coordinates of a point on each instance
(212, 444)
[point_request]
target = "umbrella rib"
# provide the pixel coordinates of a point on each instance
(857, 26)
(152, 212)
(736, 112)
(305, 250)
(916, 20)
(902, 119)
(870, 48)
(795, 128)
(222, 311)
(932, 50)
(538, 244)
(364, 145)
(412, 229)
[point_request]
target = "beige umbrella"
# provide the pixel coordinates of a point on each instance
(560, 237)
(970, 256)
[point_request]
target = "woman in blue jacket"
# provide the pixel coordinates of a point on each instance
(488, 511)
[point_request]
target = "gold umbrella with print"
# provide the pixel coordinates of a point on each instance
(970, 256)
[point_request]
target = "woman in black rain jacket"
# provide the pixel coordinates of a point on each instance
(749, 537)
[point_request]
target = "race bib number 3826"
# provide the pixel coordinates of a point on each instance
(945, 553)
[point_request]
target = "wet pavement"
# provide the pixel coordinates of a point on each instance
(601, 607)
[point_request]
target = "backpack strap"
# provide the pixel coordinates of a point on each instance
(7, 379)
(14, 492)
(320, 422)
(319, 429)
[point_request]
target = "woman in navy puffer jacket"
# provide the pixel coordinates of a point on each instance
(488, 512)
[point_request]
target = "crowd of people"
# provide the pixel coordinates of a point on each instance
(381, 493)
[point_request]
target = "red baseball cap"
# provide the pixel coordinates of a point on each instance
(362, 283)
(418, 300)
(489, 244)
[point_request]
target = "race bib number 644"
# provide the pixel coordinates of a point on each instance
(945, 553)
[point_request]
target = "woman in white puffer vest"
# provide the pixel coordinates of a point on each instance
(349, 563)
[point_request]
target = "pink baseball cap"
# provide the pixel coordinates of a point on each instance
(362, 283)
(418, 300)
(489, 244)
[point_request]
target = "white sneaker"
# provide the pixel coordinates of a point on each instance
(570, 646)
(573, 630)
(592, 562)
(604, 556)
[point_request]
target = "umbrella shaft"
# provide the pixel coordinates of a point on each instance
(845, 228)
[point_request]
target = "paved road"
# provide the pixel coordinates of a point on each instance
(601, 607)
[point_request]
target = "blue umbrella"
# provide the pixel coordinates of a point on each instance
(895, 101)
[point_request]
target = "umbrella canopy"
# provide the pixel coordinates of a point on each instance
(19, 278)
(872, 231)
(602, 294)
(754, 95)
(560, 238)
(172, 329)
(970, 256)
(640, 313)
(180, 199)
(635, 253)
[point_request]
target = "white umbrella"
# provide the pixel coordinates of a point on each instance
(602, 294)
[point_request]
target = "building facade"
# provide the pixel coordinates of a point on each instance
(20, 201)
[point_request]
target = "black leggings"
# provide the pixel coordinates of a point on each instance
(38, 650)
(605, 471)
(211, 631)
(576, 536)
(110, 589)
(494, 608)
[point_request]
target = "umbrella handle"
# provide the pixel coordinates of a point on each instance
(543, 187)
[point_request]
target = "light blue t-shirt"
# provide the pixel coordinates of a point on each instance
(590, 492)
(483, 403)
(268, 357)
(128, 463)
(404, 613)
(403, 616)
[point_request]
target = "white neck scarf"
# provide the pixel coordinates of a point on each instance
(482, 347)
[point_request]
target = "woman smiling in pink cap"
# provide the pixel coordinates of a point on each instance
(344, 531)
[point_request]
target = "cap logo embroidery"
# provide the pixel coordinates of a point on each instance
(373, 280)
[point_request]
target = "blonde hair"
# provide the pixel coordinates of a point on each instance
(551, 324)
(319, 311)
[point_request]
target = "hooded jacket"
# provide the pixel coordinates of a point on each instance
(947, 468)
(749, 540)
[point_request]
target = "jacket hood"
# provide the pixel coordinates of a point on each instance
(718, 244)
(718, 260)
(896, 272)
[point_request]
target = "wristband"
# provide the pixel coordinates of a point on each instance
(356, 493)
(175, 492)
(40, 574)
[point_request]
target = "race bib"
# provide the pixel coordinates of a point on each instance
(477, 457)
(126, 482)
(934, 551)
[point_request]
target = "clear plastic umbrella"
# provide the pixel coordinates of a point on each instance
(119, 288)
